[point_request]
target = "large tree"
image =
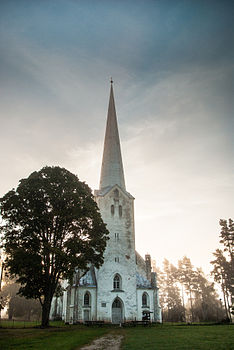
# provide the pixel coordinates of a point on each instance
(206, 305)
(187, 277)
(223, 275)
(223, 270)
(170, 299)
(51, 224)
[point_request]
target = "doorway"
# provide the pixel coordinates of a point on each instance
(117, 311)
(86, 315)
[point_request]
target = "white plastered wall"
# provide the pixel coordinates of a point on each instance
(150, 293)
(124, 250)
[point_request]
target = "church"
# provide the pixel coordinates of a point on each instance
(124, 288)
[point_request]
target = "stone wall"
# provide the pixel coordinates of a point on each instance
(117, 211)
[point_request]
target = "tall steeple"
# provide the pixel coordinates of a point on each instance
(112, 172)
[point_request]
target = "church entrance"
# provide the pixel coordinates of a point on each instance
(86, 315)
(117, 311)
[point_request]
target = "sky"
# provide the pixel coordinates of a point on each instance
(172, 63)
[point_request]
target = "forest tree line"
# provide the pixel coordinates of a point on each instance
(16, 306)
(186, 295)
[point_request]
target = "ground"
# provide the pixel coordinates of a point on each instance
(159, 337)
(109, 341)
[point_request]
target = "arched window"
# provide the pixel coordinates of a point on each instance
(112, 209)
(87, 299)
(120, 211)
(116, 303)
(117, 282)
(144, 299)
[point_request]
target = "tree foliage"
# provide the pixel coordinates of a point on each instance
(222, 274)
(227, 236)
(206, 305)
(173, 309)
(186, 294)
(187, 278)
(51, 225)
(18, 306)
(223, 265)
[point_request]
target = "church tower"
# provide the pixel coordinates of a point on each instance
(124, 288)
(116, 279)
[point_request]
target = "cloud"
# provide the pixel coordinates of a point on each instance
(172, 69)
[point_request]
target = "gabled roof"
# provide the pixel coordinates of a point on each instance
(142, 282)
(89, 279)
(102, 192)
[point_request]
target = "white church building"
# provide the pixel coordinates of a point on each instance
(124, 287)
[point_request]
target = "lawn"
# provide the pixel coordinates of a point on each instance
(159, 337)
(66, 338)
(180, 337)
(26, 324)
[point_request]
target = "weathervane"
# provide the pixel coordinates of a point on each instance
(111, 80)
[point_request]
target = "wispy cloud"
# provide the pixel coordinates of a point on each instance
(172, 65)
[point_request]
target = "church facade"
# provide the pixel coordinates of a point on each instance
(124, 288)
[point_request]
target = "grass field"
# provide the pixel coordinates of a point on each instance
(159, 337)
(66, 338)
(26, 324)
(180, 337)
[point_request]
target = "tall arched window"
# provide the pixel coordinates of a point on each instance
(112, 209)
(117, 282)
(144, 299)
(120, 211)
(87, 299)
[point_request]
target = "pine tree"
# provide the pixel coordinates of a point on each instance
(207, 305)
(172, 303)
(223, 270)
(223, 275)
(187, 277)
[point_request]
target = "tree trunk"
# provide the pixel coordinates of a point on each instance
(29, 315)
(191, 304)
(10, 310)
(228, 304)
(224, 297)
(46, 312)
(184, 312)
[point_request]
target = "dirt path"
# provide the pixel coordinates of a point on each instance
(107, 342)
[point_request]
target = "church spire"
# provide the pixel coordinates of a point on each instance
(112, 167)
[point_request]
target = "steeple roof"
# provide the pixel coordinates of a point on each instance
(112, 172)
